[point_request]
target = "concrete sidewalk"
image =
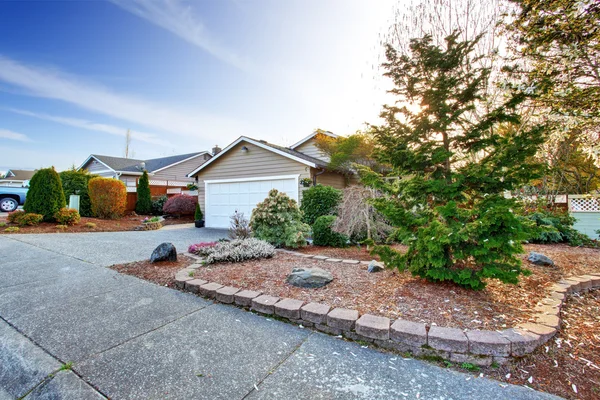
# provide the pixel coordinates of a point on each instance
(130, 339)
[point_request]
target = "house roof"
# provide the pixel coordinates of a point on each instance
(18, 175)
(130, 165)
(282, 151)
(315, 133)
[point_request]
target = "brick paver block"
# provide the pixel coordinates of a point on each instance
(543, 331)
(334, 259)
(558, 296)
(560, 288)
(181, 278)
(471, 359)
(226, 294)
(521, 341)
(315, 313)
(373, 327)
(265, 304)
(209, 289)
(342, 318)
(573, 285)
(553, 321)
(448, 339)
(549, 301)
(547, 310)
(244, 298)
(288, 308)
(320, 257)
(594, 279)
(584, 283)
(351, 262)
(408, 332)
(194, 284)
(488, 343)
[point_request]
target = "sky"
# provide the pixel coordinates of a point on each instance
(183, 76)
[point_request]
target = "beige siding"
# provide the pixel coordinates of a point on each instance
(94, 166)
(334, 179)
(257, 162)
(178, 172)
(310, 149)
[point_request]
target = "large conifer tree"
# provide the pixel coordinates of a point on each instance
(143, 205)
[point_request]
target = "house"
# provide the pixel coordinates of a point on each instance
(164, 171)
(243, 173)
(16, 177)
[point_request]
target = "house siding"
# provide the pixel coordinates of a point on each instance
(587, 223)
(178, 172)
(257, 162)
(336, 180)
(310, 149)
(94, 166)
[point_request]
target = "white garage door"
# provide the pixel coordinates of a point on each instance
(224, 197)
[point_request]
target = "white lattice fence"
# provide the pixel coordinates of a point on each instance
(583, 203)
(586, 210)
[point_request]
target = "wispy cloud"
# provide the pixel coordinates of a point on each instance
(94, 126)
(177, 18)
(6, 134)
(53, 84)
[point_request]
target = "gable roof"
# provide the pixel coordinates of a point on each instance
(315, 133)
(19, 175)
(282, 151)
(131, 165)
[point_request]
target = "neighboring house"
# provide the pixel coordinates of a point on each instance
(242, 174)
(16, 177)
(170, 170)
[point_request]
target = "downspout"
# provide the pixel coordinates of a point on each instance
(317, 174)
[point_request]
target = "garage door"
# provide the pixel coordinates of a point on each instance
(224, 197)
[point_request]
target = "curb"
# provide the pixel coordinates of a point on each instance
(479, 347)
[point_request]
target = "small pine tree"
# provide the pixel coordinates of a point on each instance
(198, 214)
(143, 205)
(45, 195)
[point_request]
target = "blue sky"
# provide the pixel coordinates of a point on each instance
(182, 75)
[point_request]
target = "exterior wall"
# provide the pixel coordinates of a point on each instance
(178, 172)
(257, 162)
(334, 179)
(94, 166)
(587, 223)
(310, 149)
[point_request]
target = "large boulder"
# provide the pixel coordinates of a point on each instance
(375, 266)
(539, 259)
(164, 252)
(309, 277)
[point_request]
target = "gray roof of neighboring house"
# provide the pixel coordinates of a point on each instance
(19, 175)
(316, 161)
(133, 165)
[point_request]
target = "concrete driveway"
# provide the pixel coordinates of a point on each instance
(125, 338)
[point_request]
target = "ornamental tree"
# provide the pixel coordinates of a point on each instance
(45, 195)
(143, 205)
(453, 165)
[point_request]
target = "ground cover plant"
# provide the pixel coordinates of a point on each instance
(23, 218)
(108, 197)
(45, 195)
(76, 182)
(233, 251)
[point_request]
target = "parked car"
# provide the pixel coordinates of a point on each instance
(12, 197)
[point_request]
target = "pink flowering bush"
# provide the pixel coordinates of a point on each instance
(181, 204)
(201, 249)
(233, 251)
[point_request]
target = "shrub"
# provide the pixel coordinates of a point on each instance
(62, 227)
(323, 235)
(108, 197)
(239, 227)
(150, 220)
(29, 219)
(12, 229)
(67, 216)
(13, 217)
(198, 214)
(2, 224)
(45, 195)
(158, 203)
(233, 251)
(318, 201)
(90, 225)
(76, 182)
(182, 204)
(277, 220)
(143, 205)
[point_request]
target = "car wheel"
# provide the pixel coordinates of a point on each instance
(8, 205)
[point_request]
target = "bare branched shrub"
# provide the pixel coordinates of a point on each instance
(239, 226)
(358, 219)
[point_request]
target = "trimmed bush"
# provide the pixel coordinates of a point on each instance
(182, 204)
(90, 225)
(108, 197)
(45, 195)
(76, 182)
(198, 214)
(29, 219)
(67, 216)
(158, 203)
(233, 251)
(143, 205)
(13, 217)
(318, 201)
(277, 220)
(323, 235)
(12, 229)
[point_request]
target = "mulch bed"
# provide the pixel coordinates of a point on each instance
(162, 273)
(400, 295)
(102, 225)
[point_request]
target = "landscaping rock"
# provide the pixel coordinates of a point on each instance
(375, 266)
(539, 259)
(309, 277)
(164, 252)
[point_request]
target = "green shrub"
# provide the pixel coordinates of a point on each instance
(318, 201)
(12, 229)
(198, 214)
(2, 224)
(158, 204)
(323, 235)
(13, 217)
(29, 219)
(62, 227)
(45, 195)
(67, 216)
(90, 225)
(76, 182)
(143, 205)
(277, 220)
(108, 197)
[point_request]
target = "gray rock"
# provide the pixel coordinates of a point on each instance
(539, 259)
(164, 252)
(375, 266)
(309, 277)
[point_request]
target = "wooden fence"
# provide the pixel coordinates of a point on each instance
(157, 188)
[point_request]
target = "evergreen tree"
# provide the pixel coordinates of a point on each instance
(448, 206)
(45, 195)
(143, 205)
(76, 182)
